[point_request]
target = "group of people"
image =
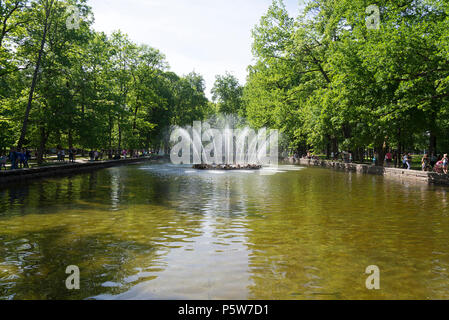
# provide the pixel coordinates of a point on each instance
(433, 162)
(18, 158)
(428, 163)
(118, 154)
(436, 163)
(95, 155)
(308, 156)
(61, 154)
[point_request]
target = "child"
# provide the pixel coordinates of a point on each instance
(425, 163)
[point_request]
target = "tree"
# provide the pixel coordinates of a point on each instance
(332, 84)
(227, 92)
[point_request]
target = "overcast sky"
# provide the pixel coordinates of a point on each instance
(207, 36)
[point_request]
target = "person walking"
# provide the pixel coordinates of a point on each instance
(409, 161)
(404, 161)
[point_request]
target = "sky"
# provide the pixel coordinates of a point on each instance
(209, 37)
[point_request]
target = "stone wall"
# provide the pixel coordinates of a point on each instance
(399, 174)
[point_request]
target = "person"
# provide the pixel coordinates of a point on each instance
(2, 162)
(404, 161)
(445, 164)
(433, 160)
(425, 162)
(438, 168)
(389, 158)
(375, 159)
(19, 159)
(91, 155)
(409, 162)
(27, 157)
(71, 155)
(13, 158)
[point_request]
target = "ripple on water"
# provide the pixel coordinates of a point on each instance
(154, 232)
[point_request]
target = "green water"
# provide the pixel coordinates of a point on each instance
(164, 232)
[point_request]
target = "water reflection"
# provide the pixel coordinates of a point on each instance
(166, 232)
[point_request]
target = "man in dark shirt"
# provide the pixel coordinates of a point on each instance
(13, 158)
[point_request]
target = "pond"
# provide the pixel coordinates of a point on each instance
(170, 232)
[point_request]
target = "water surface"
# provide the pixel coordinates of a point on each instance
(165, 232)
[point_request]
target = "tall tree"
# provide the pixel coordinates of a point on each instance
(227, 92)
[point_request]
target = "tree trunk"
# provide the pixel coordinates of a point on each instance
(381, 152)
(433, 143)
(119, 136)
(23, 132)
(399, 153)
(335, 145)
(70, 139)
(42, 143)
(110, 131)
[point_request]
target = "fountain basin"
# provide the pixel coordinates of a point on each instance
(227, 167)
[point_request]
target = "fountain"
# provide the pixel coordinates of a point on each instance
(227, 167)
(224, 143)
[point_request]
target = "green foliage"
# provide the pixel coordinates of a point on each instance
(331, 83)
(227, 93)
(91, 90)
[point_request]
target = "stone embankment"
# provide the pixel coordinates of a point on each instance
(399, 174)
(69, 168)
